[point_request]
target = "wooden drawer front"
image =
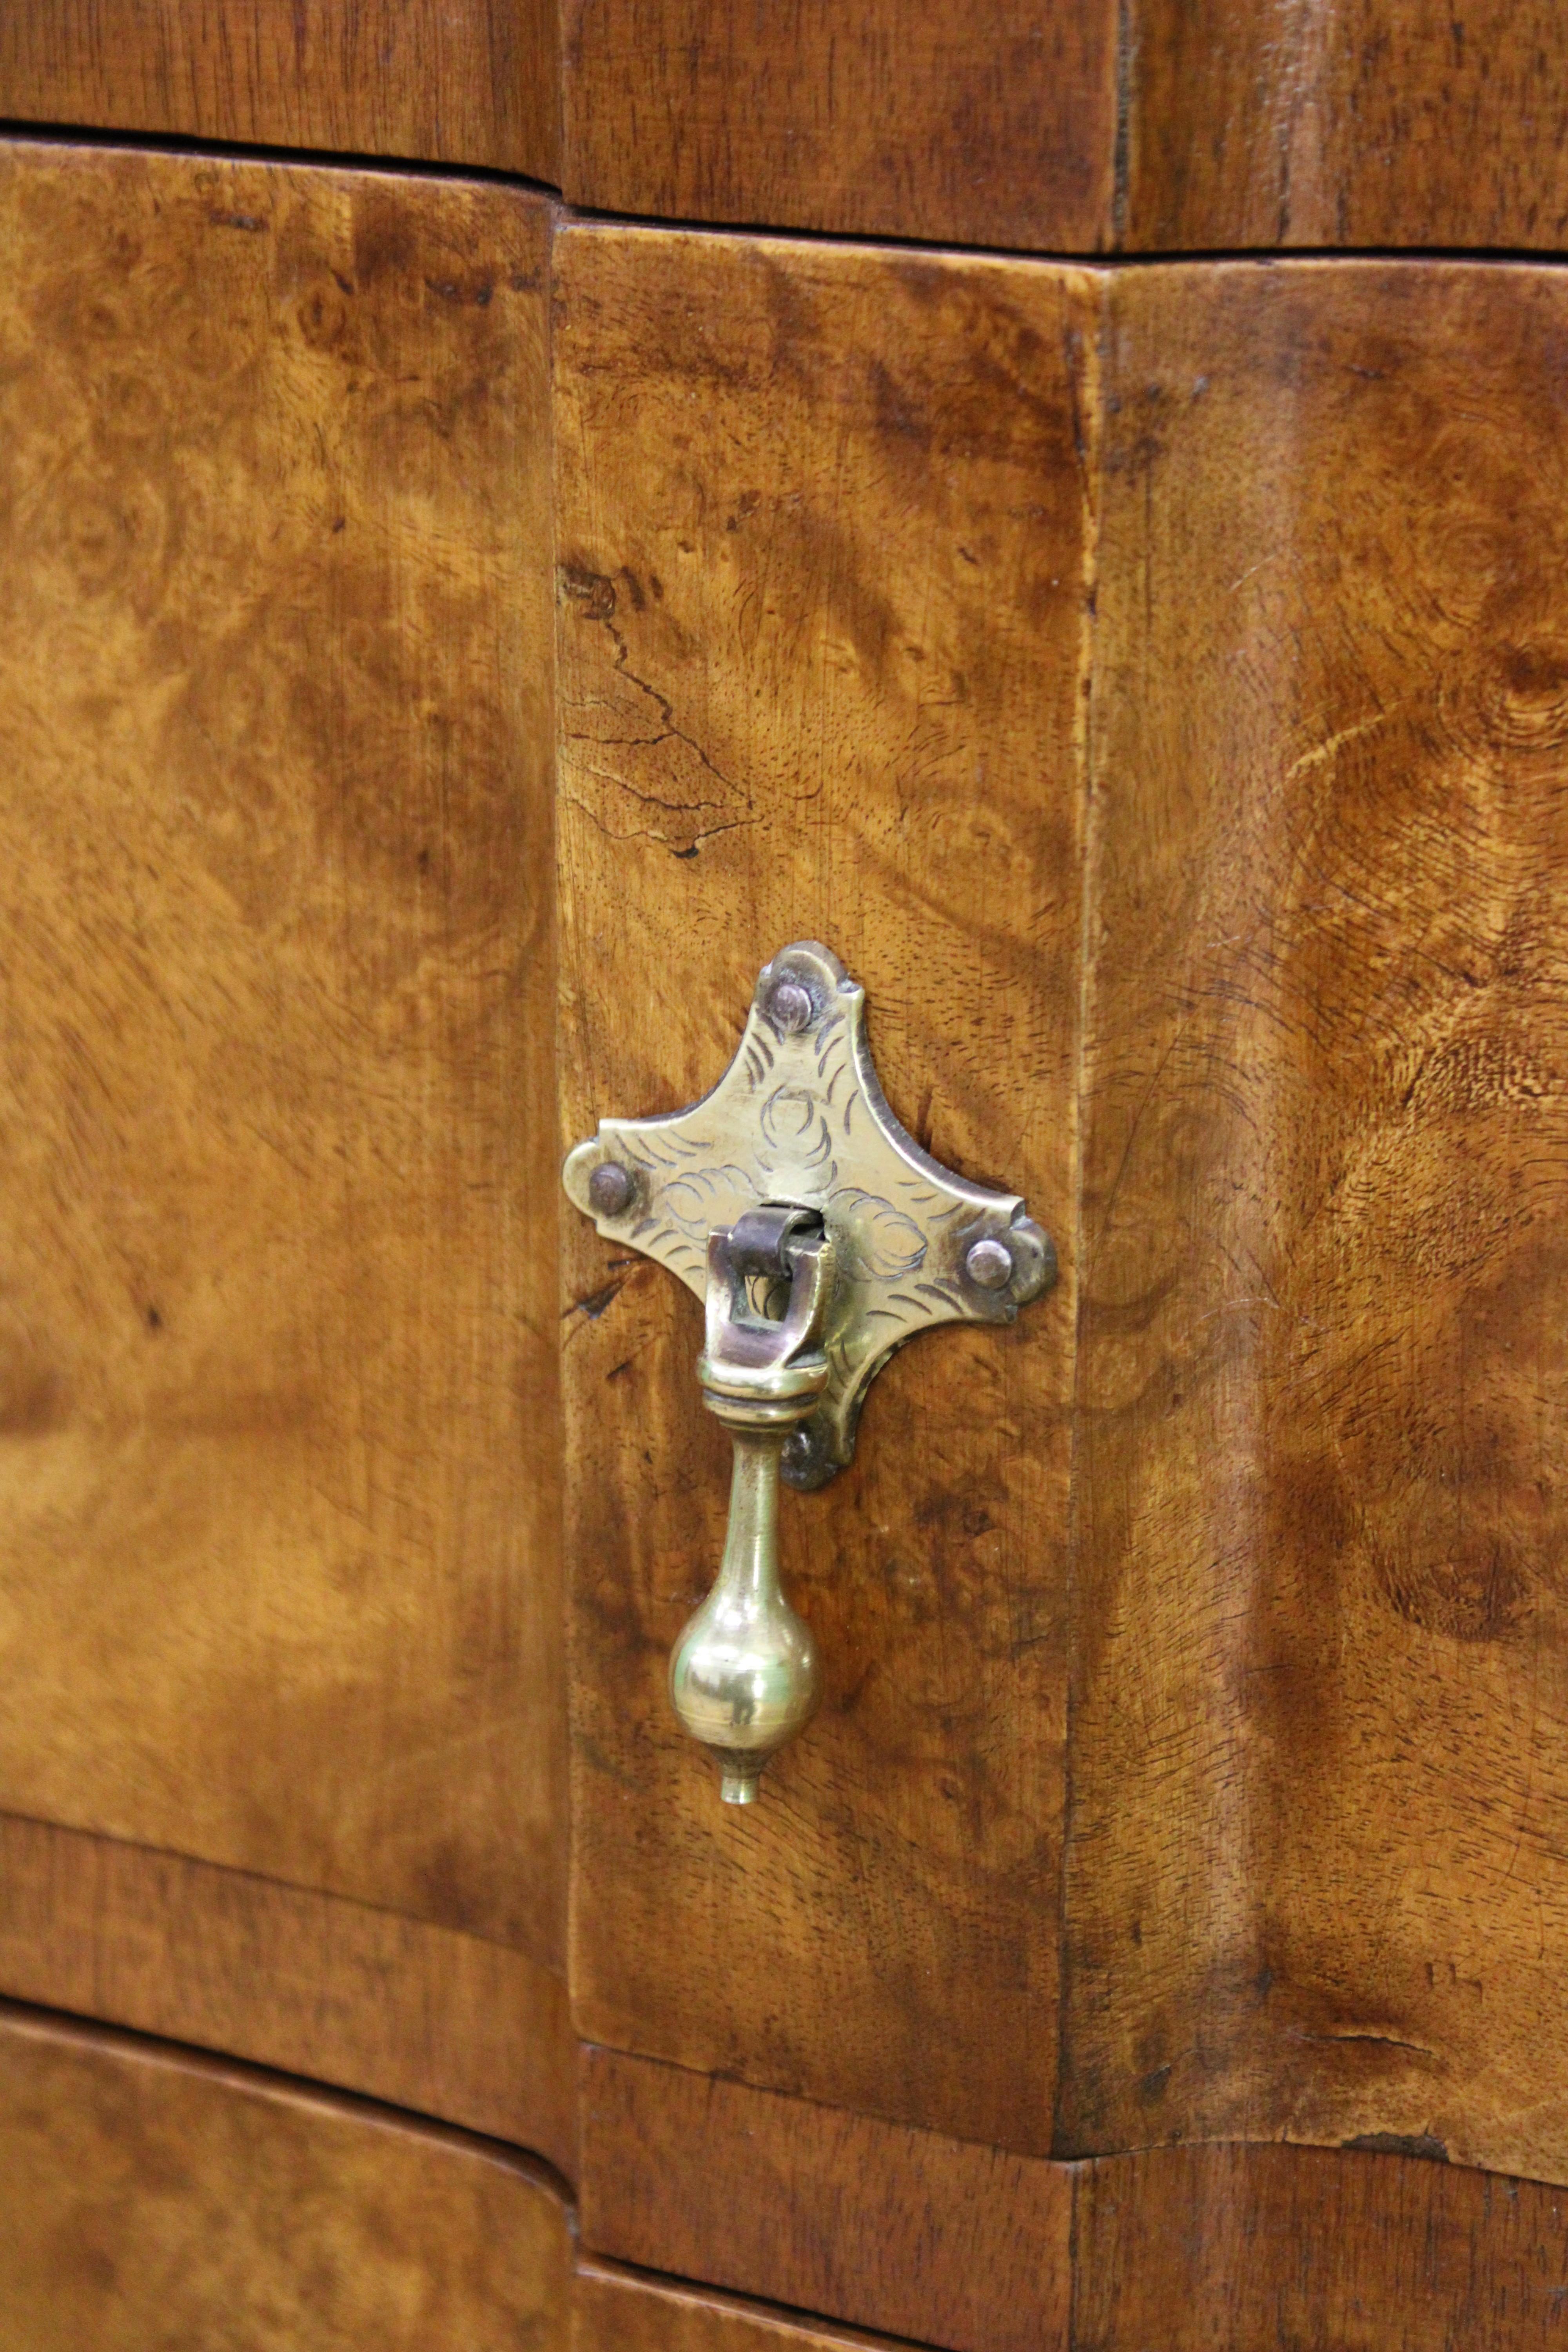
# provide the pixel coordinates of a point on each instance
(613, 2310)
(822, 530)
(277, 1361)
(1308, 1580)
(1152, 683)
(155, 2201)
(458, 81)
(1317, 1885)
(1074, 126)
(1079, 126)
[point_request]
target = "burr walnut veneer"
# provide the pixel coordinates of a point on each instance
(449, 638)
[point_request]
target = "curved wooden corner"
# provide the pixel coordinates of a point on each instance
(1262, 2245)
(154, 2196)
(467, 2031)
(1246, 2245)
(895, 2229)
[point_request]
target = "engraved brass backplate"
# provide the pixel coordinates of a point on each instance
(799, 1120)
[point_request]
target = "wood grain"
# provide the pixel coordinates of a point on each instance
(278, 1470)
(1253, 2248)
(1182, 2248)
(430, 2019)
(1316, 1886)
(897, 117)
(451, 81)
(1107, 125)
(899, 2230)
(155, 2201)
(615, 2310)
(1345, 123)
(823, 523)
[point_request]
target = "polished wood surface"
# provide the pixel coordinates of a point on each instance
(1176, 652)
(1314, 1890)
(444, 2023)
(155, 2202)
(155, 2199)
(615, 2310)
(451, 81)
(279, 1588)
(823, 531)
(1256, 2247)
(1317, 1885)
(1186, 2248)
(1344, 124)
(995, 126)
(1079, 126)
(899, 2230)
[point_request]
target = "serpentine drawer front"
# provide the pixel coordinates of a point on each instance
(462, 607)
(820, 1237)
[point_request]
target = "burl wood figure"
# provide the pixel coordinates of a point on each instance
(510, 514)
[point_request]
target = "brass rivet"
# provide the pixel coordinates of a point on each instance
(790, 1008)
(989, 1264)
(610, 1188)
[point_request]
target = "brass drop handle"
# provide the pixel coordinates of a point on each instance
(745, 1675)
(820, 1237)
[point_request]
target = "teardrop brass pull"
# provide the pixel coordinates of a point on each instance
(820, 1237)
(744, 1677)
